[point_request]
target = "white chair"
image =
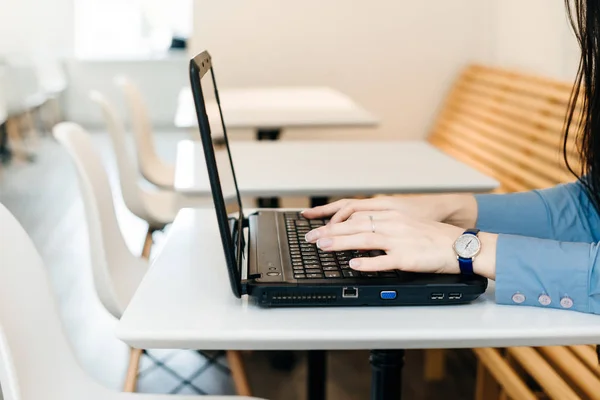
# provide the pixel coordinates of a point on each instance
(53, 81)
(157, 207)
(36, 361)
(152, 167)
(116, 272)
(23, 97)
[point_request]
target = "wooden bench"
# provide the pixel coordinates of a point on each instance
(510, 126)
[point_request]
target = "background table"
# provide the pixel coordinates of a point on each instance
(327, 169)
(185, 301)
(269, 110)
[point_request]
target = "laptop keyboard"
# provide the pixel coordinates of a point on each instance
(309, 262)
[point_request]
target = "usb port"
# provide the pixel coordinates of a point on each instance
(455, 296)
(437, 296)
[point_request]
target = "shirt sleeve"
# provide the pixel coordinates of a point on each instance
(548, 273)
(562, 213)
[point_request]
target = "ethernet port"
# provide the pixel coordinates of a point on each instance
(350, 293)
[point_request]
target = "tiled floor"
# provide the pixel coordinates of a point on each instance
(44, 196)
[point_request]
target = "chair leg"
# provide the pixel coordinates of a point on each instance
(32, 130)
(15, 142)
(132, 370)
(435, 365)
(486, 387)
(147, 244)
(238, 373)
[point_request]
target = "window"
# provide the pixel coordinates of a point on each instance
(124, 28)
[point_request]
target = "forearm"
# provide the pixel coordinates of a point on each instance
(561, 213)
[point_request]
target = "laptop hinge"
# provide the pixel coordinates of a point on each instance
(244, 282)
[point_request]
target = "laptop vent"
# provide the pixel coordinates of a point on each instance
(303, 298)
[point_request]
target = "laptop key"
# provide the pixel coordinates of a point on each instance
(330, 268)
(351, 274)
(313, 276)
(332, 274)
(329, 264)
(299, 276)
(313, 270)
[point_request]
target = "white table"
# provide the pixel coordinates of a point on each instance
(328, 169)
(185, 301)
(269, 110)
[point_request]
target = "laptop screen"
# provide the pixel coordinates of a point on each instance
(219, 163)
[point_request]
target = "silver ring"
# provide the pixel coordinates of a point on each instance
(372, 224)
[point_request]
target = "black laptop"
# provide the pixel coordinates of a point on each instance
(268, 258)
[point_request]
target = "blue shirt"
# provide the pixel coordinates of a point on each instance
(548, 245)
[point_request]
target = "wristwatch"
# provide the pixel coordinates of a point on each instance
(466, 247)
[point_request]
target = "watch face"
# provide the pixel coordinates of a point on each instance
(467, 246)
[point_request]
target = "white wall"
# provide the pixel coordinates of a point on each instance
(396, 58)
(532, 35)
(33, 25)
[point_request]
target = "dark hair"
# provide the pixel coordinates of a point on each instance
(584, 16)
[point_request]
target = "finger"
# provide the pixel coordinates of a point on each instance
(380, 263)
(349, 227)
(355, 206)
(324, 211)
(360, 241)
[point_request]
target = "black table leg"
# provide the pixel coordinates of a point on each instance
(386, 374)
(4, 151)
(318, 201)
(268, 134)
(317, 375)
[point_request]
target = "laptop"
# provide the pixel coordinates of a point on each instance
(266, 254)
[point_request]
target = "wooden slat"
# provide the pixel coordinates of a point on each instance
(574, 369)
(587, 355)
(542, 372)
(535, 132)
(538, 168)
(540, 105)
(550, 156)
(528, 85)
(504, 374)
(504, 166)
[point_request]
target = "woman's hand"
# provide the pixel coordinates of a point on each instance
(410, 244)
(459, 210)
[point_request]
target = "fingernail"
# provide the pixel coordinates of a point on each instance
(324, 243)
(311, 236)
(354, 263)
(302, 212)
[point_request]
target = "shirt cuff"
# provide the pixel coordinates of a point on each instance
(544, 273)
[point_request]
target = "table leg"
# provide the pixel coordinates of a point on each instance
(386, 374)
(4, 152)
(318, 201)
(317, 375)
(268, 134)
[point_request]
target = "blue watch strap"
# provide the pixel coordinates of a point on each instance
(466, 264)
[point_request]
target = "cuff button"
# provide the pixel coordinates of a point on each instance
(544, 300)
(518, 298)
(566, 302)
